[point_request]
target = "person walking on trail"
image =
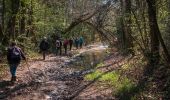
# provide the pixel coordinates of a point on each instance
(14, 56)
(76, 41)
(44, 46)
(71, 43)
(58, 46)
(81, 41)
(61, 43)
(65, 44)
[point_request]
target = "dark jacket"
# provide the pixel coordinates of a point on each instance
(76, 41)
(44, 45)
(61, 43)
(70, 41)
(9, 55)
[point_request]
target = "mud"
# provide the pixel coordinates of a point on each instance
(57, 78)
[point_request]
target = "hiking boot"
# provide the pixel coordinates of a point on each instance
(13, 79)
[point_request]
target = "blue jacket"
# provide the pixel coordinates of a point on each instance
(81, 40)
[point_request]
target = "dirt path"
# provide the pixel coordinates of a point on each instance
(55, 79)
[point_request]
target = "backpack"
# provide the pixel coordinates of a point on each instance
(44, 45)
(15, 53)
(57, 43)
(81, 40)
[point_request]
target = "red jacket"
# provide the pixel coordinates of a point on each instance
(66, 42)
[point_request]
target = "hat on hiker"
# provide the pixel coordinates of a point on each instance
(45, 38)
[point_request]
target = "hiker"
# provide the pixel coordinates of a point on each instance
(44, 46)
(14, 56)
(71, 43)
(81, 41)
(76, 41)
(61, 47)
(65, 44)
(58, 46)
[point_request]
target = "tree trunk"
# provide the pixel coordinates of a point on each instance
(12, 20)
(155, 34)
(126, 26)
(154, 30)
(167, 35)
(30, 31)
(120, 27)
(1, 33)
(2, 20)
(22, 21)
(3, 14)
(128, 22)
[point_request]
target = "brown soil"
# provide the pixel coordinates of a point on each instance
(51, 80)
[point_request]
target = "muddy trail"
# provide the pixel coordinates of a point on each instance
(59, 77)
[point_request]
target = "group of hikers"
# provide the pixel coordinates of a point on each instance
(59, 43)
(15, 54)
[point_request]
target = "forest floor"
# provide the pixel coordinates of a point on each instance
(91, 73)
(56, 78)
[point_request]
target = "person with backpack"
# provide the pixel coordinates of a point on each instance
(65, 44)
(76, 41)
(70, 43)
(81, 41)
(14, 56)
(58, 46)
(44, 46)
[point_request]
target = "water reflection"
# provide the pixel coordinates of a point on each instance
(89, 60)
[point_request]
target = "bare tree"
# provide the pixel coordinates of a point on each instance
(155, 34)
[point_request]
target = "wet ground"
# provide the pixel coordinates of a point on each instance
(58, 78)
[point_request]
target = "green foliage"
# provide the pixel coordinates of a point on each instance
(93, 75)
(112, 78)
(119, 84)
(125, 87)
(99, 65)
(2, 49)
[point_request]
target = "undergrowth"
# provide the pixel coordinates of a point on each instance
(128, 83)
(113, 79)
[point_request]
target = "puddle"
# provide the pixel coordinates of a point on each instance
(89, 59)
